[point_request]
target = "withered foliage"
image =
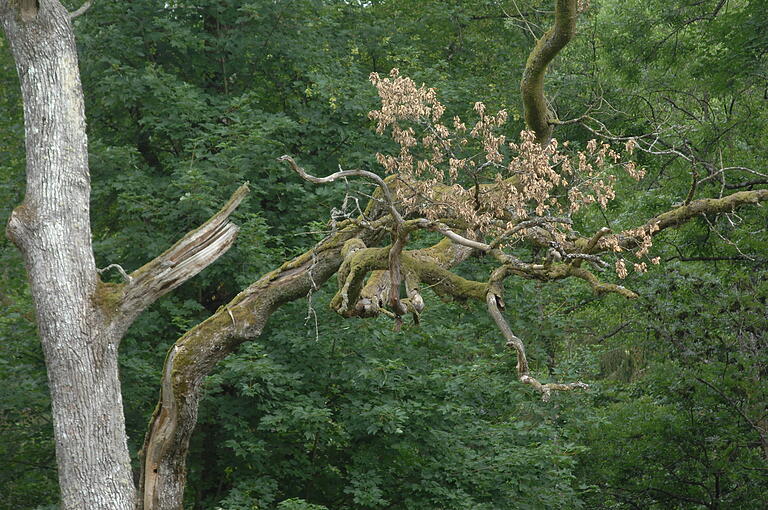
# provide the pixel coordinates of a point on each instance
(477, 178)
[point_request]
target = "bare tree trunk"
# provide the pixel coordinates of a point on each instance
(52, 230)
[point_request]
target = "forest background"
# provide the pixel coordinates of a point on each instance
(188, 101)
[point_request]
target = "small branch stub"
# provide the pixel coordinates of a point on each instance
(81, 10)
(120, 269)
(28, 10)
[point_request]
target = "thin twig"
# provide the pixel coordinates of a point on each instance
(348, 173)
(128, 278)
(81, 10)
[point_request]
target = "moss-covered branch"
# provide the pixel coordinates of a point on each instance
(682, 214)
(597, 286)
(676, 217)
(538, 116)
(430, 266)
(445, 254)
(195, 354)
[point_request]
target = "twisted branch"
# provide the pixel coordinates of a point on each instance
(538, 116)
(348, 173)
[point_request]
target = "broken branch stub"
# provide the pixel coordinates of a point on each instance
(190, 255)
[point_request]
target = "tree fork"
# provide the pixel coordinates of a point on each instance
(80, 319)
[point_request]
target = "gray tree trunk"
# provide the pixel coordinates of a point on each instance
(52, 230)
(80, 319)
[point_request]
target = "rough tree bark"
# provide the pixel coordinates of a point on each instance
(52, 230)
(80, 319)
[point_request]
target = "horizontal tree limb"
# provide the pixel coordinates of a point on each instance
(679, 215)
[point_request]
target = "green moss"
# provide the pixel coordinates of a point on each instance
(581, 244)
(352, 274)
(443, 281)
(352, 245)
(108, 296)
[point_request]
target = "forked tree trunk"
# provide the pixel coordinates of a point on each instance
(52, 230)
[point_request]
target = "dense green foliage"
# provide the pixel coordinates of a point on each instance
(187, 100)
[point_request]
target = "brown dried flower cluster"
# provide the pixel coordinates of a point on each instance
(478, 177)
(642, 239)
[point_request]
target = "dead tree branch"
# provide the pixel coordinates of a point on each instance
(348, 173)
(492, 300)
(190, 255)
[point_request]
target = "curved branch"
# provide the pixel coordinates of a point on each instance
(417, 265)
(533, 222)
(400, 236)
(492, 301)
(601, 241)
(538, 271)
(512, 340)
(348, 173)
(442, 228)
(195, 354)
(600, 287)
(445, 254)
(681, 214)
(596, 238)
(538, 116)
(355, 267)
